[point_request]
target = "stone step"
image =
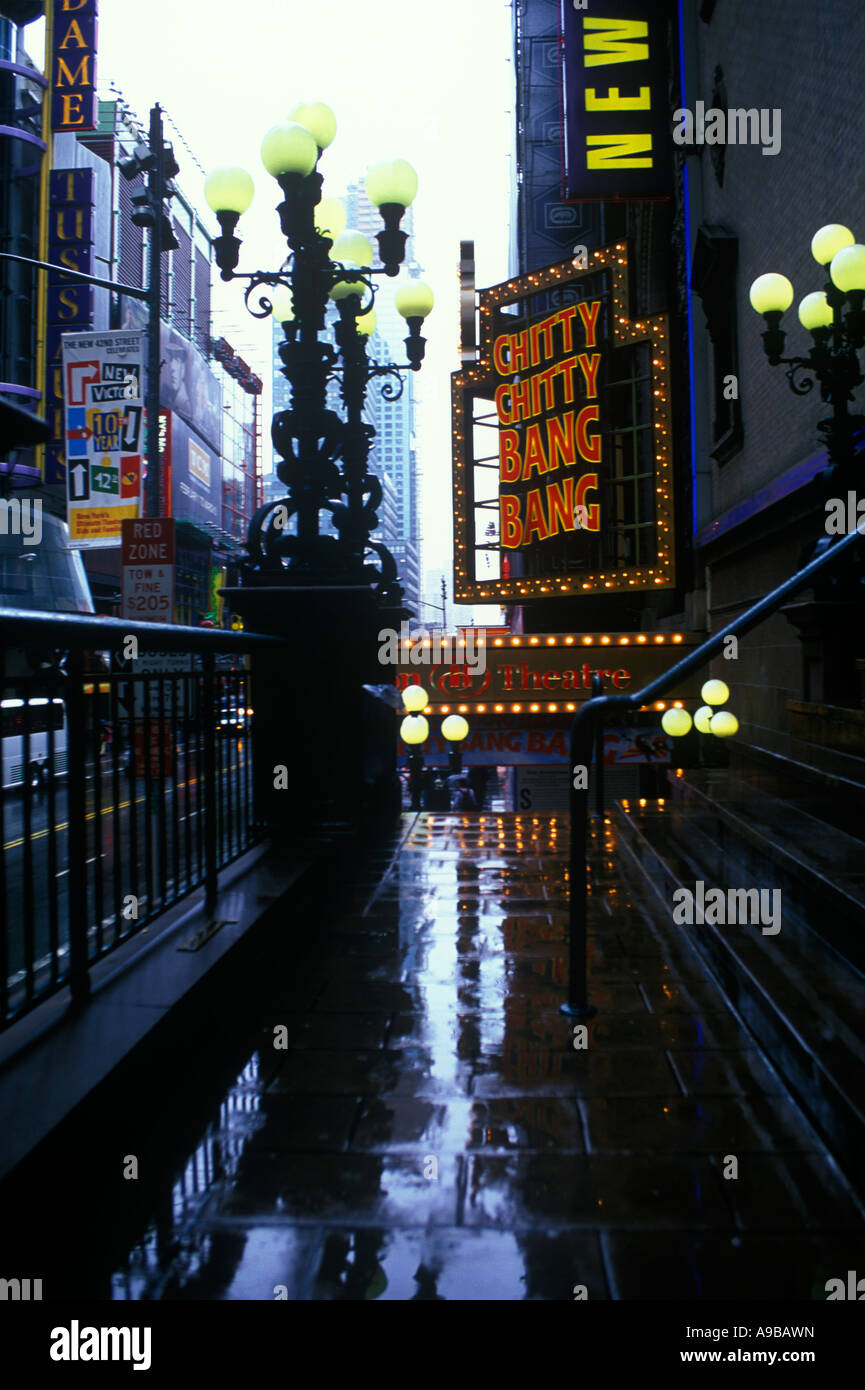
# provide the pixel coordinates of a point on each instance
(828, 782)
(820, 869)
(797, 995)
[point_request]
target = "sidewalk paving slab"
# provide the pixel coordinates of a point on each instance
(426, 1129)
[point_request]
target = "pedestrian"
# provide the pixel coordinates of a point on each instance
(437, 796)
(478, 778)
(463, 798)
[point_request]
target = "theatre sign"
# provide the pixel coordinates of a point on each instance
(562, 440)
(547, 673)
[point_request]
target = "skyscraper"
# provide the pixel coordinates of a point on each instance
(394, 453)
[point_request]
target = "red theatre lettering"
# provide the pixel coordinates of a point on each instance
(544, 430)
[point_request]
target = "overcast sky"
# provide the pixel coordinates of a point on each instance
(431, 82)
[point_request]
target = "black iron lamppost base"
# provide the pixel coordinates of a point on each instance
(578, 1010)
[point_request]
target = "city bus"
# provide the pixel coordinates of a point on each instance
(42, 717)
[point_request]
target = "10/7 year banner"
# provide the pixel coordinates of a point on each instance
(103, 386)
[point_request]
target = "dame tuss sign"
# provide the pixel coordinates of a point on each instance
(73, 65)
(617, 132)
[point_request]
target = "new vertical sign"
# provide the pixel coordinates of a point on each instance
(73, 65)
(618, 141)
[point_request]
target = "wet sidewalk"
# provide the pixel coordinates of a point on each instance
(411, 1119)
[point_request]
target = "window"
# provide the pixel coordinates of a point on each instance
(713, 278)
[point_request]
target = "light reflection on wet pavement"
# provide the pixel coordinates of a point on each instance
(428, 1129)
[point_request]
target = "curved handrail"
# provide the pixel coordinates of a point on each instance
(593, 711)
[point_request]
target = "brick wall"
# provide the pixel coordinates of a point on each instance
(807, 59)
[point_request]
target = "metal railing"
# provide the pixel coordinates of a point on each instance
(588, 725)
(125, 787)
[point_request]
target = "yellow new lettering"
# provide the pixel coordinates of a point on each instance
(614, 45)
(614, 102)
(613, 149)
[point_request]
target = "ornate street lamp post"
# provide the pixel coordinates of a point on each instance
(324, 457)
(454, 730)
(835, 319)
(329, 595)
(414, 732)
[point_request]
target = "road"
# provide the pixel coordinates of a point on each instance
(144, 842)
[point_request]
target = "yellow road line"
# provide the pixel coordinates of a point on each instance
(91, 815)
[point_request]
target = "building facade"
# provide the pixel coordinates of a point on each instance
(624, 578)
(66, 202)
(242, 484)
(22, 169)
(798, 678)
(394, 453)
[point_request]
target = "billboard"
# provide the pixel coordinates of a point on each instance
(188, 387)
(190, 474)
(73, 65)
(103, 387)
(562, 440)
(500, 745)
(618, 135)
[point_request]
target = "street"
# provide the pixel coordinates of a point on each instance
(154, 837)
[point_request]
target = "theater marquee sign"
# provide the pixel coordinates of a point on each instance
(549, 673)
(561, 440)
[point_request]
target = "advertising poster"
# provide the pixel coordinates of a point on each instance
(103, 383)
(188, 387)
(194, 476)
(503, 746)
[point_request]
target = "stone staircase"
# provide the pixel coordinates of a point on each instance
(800, 992)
